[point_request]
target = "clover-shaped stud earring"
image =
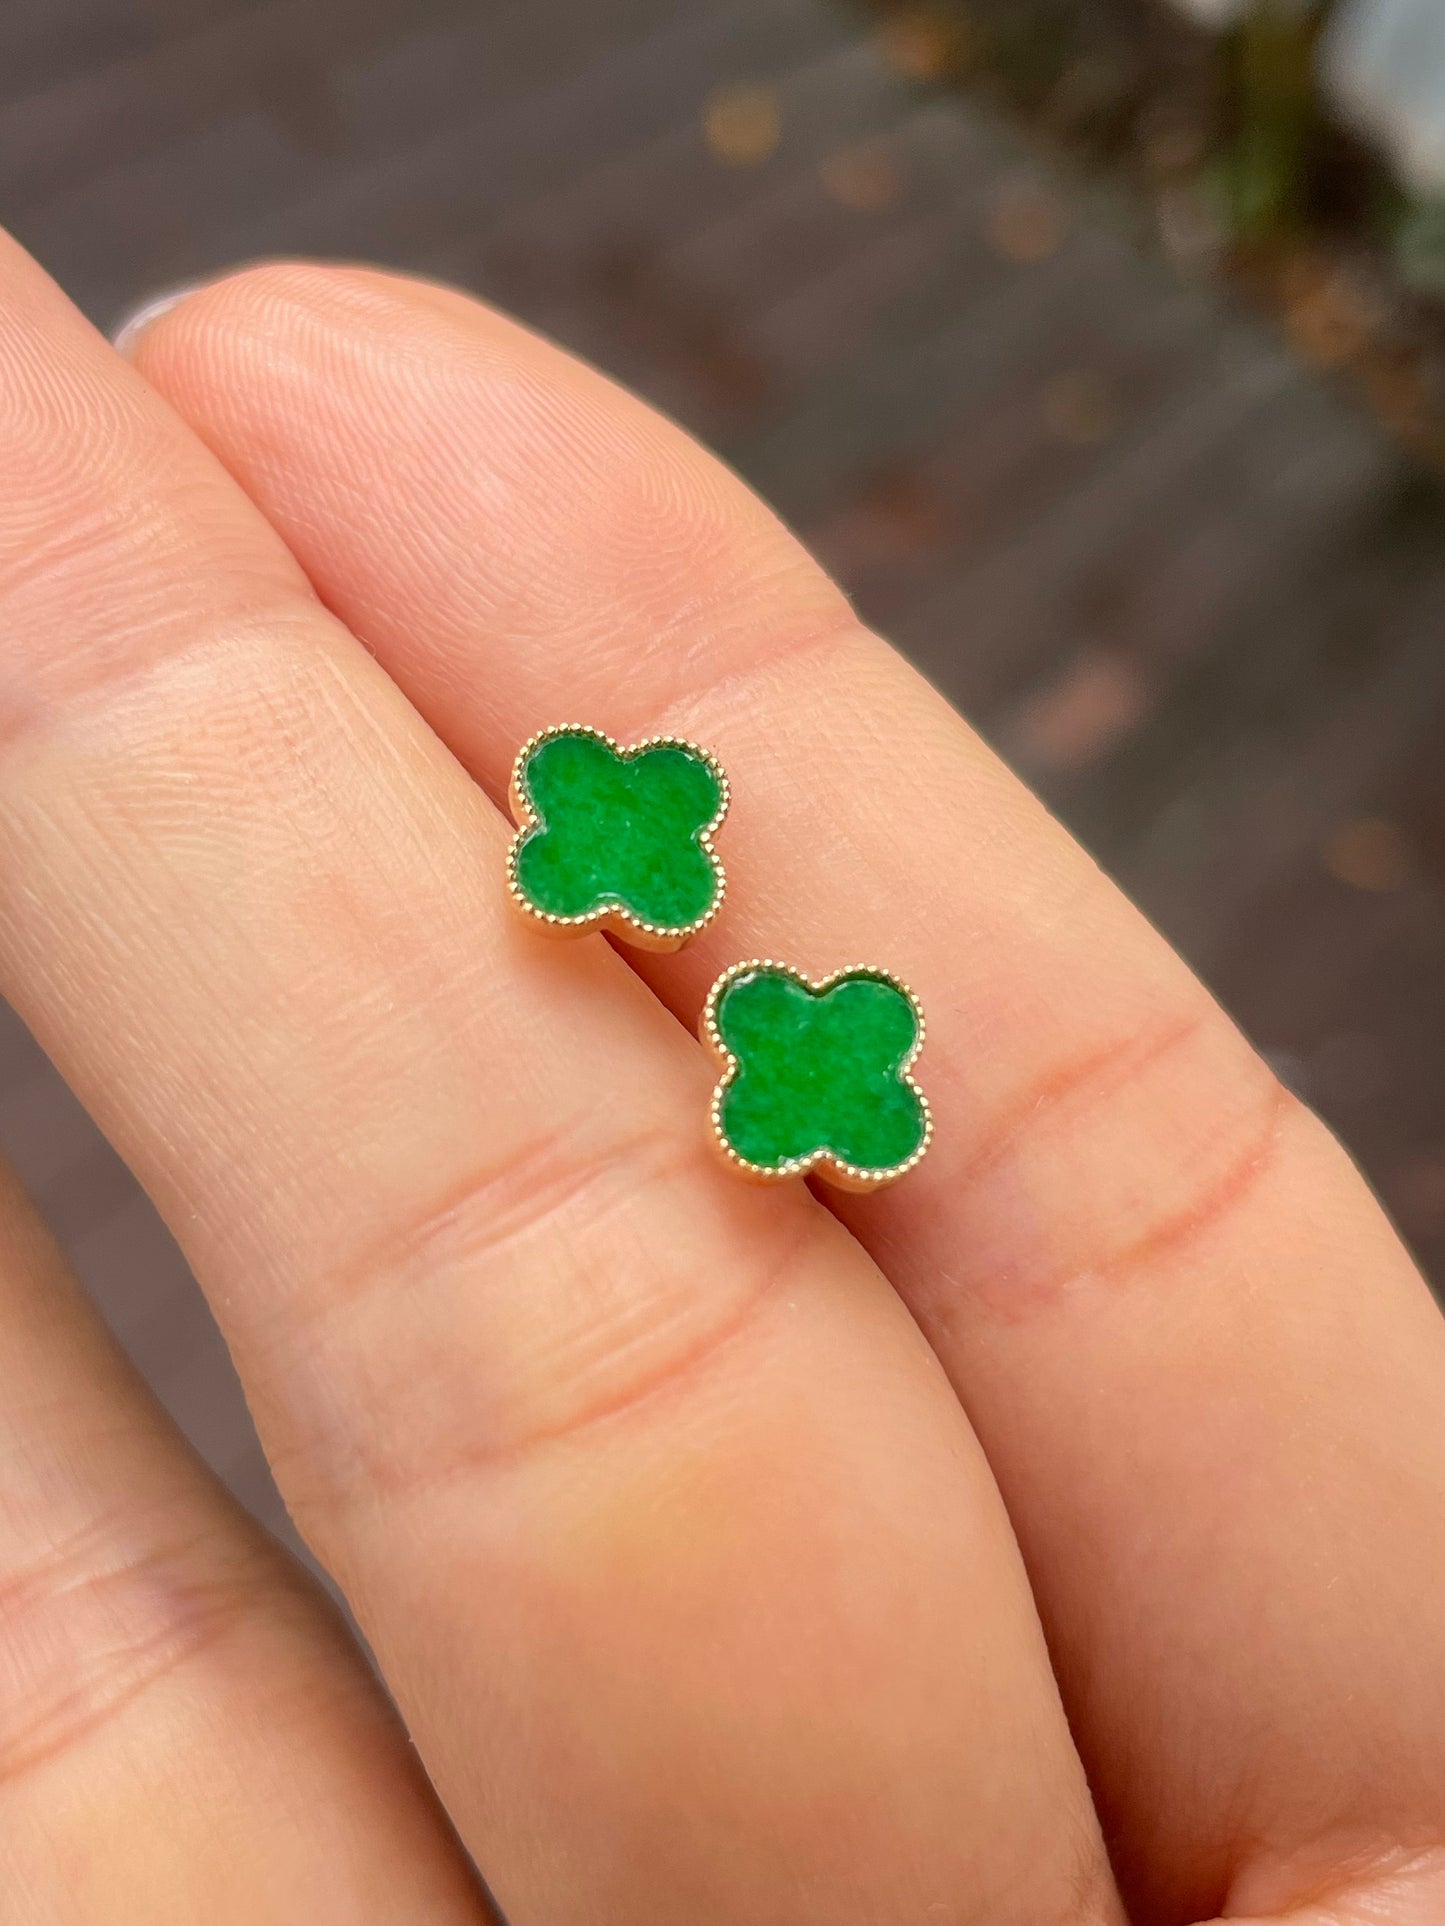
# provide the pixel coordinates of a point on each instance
(617, 839)
(816, 1074)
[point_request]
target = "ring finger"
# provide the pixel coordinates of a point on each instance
(185, 1730)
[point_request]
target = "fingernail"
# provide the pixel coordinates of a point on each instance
(128, 333)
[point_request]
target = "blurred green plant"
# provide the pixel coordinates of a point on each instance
(1236, 154)
(1100, 66)
(1275, 128)
(1419, 242)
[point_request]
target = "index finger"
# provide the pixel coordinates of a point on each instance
(1206, 1374)
(665, 1529)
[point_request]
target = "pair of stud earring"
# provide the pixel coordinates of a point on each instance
(815, 1073)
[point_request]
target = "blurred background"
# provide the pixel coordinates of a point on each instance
(1097, 345)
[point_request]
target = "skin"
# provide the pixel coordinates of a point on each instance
(730, 1556)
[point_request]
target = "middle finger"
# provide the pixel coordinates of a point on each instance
(661, 1518)
(1159, 1288)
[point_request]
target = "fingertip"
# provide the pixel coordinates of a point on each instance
(246, 288)
(128, 333)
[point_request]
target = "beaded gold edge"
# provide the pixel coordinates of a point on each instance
(620, 921)
(822, 1163)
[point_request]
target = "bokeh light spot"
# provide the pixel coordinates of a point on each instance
(743, 124)
(1085, 713)
(1079, 408)
(1027, 223)
(1369, 853)
(920, 46)
(866, 178)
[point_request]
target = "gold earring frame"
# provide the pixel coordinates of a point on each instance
(616, 918)
(820, 1163)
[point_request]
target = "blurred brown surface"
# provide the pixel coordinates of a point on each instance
(1192, 595)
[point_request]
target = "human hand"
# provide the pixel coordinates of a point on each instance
(730, 1560)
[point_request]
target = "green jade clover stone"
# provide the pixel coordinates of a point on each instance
(816, 1074)
(618, 839)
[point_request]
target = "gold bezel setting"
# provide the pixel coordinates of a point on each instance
(821, 1163)
(620, 921)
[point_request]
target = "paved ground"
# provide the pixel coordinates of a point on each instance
(1192, 595)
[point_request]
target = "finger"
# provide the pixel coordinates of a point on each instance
(186, 1732)
(656, 1510)
(1206, 1374)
